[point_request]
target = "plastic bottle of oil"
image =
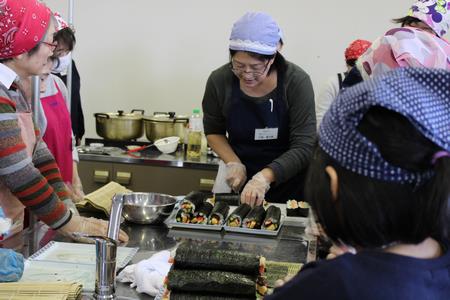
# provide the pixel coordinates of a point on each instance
(195, 135)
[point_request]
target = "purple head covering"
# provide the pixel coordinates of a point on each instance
(255, 32)
(421, 95)
(434, 13)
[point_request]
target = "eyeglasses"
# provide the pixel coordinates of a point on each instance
(255, 70)
(52, 46)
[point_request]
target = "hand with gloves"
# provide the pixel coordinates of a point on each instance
(89, 226)
(255, 190)
(236, 175)
(11, 265)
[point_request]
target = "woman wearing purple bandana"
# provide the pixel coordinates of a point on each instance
(379, 182)
(259, 115)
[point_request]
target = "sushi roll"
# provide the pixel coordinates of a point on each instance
(235, 219)
(303, 209)
(229, 198)
(189, 257)
(292, 208)
(192, 201)
(272, 220)
(202, 213)
(254, 218)
(177, 295)
(219, 213)
(209, 281)
(183, 217)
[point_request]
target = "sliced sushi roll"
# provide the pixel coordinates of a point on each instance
(219, 213)
(303, 209)
(229, 198)
(292, 208)
(273, 217)
(183, 217)
(202, 213)
(235, 219)
(254, 218)
(192, 201)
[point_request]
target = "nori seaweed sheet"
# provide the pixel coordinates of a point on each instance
(177, 295)
(198, 195)
(220, 209)
(211, 282)
(188, 257)
(241, 211)
(273, 214)
(256, 214)
(229, 198)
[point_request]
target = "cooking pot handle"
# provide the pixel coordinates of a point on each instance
(101, 115)
(160, 113)
(180, 119)
(138, 110)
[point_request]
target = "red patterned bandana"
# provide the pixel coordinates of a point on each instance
(23, 23)
(356, 48)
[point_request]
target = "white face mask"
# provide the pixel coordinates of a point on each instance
(64, 62)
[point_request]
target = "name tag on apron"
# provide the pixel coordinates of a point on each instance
(266, 134)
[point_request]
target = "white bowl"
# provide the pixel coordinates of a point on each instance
(168, 144)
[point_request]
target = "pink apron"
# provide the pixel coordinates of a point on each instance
(13, 208)
(58, 134)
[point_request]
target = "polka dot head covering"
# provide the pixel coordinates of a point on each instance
(256, 32)
(434, 13)
(356, 48)
(23, 23)
(421, 95)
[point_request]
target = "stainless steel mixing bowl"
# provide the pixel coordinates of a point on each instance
(147, 208)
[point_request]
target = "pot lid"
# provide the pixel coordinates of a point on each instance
(120, 115)
(169, 117)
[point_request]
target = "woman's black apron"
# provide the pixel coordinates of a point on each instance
(256, 147)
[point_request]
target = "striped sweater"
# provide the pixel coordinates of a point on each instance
(36, 180)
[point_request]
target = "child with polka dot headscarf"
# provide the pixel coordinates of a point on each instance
(379, 183)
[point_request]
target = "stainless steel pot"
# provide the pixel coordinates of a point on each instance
(162, 125)
(120, 126)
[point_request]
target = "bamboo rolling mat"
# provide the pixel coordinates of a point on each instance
(101, 199)
(38, 291)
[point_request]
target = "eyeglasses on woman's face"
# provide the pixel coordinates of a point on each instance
(255, 70)
(52, 46)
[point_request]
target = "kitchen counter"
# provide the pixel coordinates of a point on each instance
(148, 156)
(291, 245)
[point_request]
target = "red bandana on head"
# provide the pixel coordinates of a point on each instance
(23, 23)
(356, 49)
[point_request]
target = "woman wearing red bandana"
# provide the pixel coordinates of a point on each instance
(331, 89)
(29, 176)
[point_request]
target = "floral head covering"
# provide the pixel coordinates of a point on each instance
(419, 94)
(404, 47)
(356, 48)
(255, 32)
(60, 22)
(23, 23)
(434, 13)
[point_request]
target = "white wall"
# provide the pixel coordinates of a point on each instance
(157, 55)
